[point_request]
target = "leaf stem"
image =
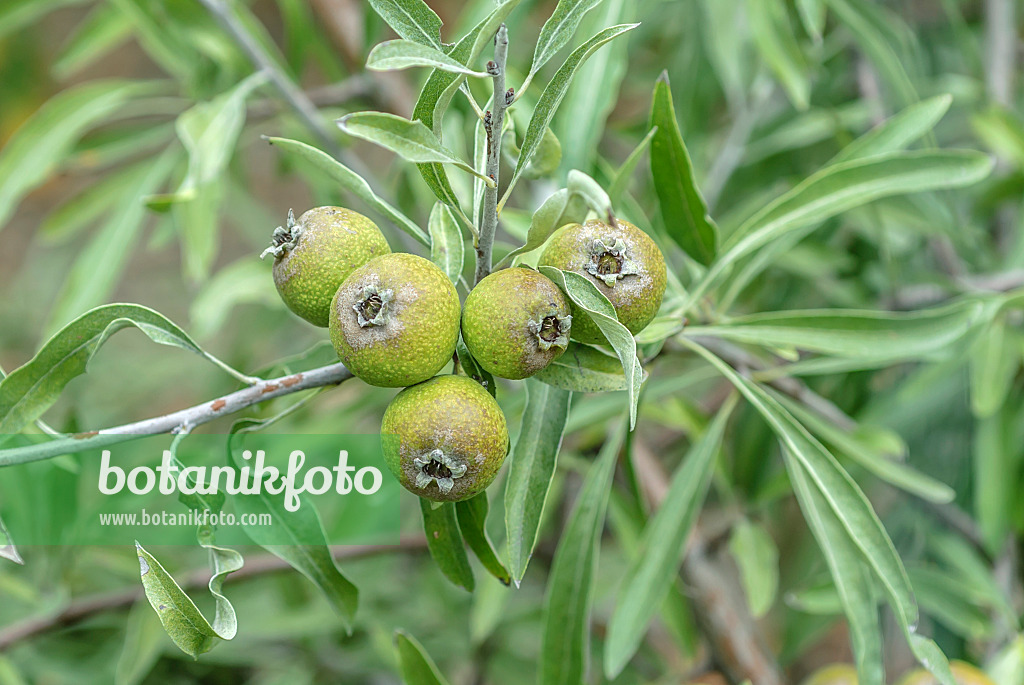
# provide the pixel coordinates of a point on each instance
(493, 126)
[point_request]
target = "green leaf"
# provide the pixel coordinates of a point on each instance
(16, 14)
(289, 538)
(87, 285)
(775, 40)
(596, 89)
(757, 558)
(31, 389)
(143, 645)
(409, 139)
(531, 468)
(876, 30)
(867, 455)
(182, 621)
(210, 130)
(547, 158)
(898, 131)
(559, 209)
(583, 368)
(849, 573)
(473, 369)
(841, 499)
(662, 547)
(394, 55)
(855, 334)
(446, 246)
(558, 30)
(416, 665)
(682, 207)
(472, 515)
(995, 359)
(585, 187)
(353, 183)
(567, 603)
(48, 136)
(843, 187)
(104, 29)
(411, 19)
(620, 182)
(552, 96)
(441, 87)
(7, 549)
(444, 539)
(812, 16)
(591, 302)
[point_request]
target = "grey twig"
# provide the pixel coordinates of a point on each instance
(292, 94)
(493, 125)
(193, 416)
(86, 607)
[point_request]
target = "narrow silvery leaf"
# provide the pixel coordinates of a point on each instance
(143, 645)
(757, 558)
(995, 358)
(47, 137)
(446, 247)
(531, 468)
(856, 333)
(883, 466)
(591, 302)
(567, 603)
(409, 139)
(416, 665)
(210, 130)
(682, 206)
(7, 548)
(625, 172)
(544, 222)
(558, 30)
(812, 16)
(472, 516)
(112, 245)
(584, 369)
(843, 187)
(352, 182)
(775, 40)
(847, 504)
(898, 131)
(411, 19)
(552, 96)
(581, 184)
(661, 547)
(290, 536)
(28, 391)
(850, 574)
(441, 86)
(182, 621)
(394, 55)
(444, 539)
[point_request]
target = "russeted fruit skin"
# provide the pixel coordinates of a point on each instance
(315, 254)
(395, 321)
(963, 673)
(515, 322)
(452, 438)
(621, 260)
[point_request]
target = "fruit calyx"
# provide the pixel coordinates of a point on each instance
(284, 238)
(611, 263)
(372, 309)
(436, 466)
(552, 331)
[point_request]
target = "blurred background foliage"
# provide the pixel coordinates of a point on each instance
(95, 143)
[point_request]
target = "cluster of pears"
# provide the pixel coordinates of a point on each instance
(394, 319)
